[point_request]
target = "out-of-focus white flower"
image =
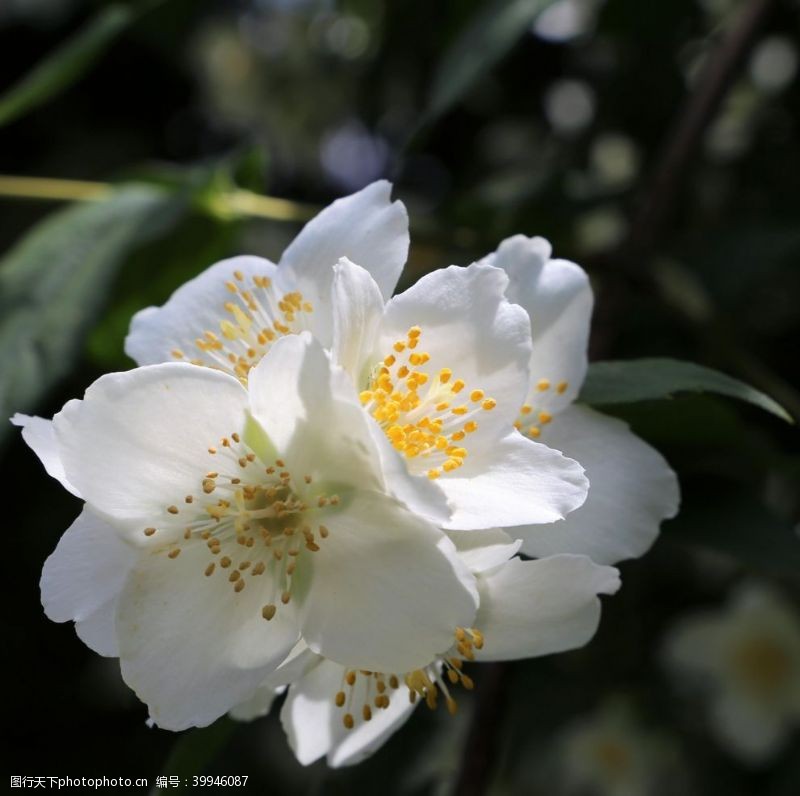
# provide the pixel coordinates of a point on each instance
(747, 658)
(632, 489)
(223, 522)
(611, 753)
(441, 368)
(527, 609)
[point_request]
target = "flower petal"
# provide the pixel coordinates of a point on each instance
(257, 704)
(697, 642)
(190, 646)
(99, 631)
(294, 396)
(558, 297)
(366, 227)
(293, 667)
(752, 731)
(531, 608)
(485, 549)
(468, 326)
(86, 571)
(631, 490)
(195, 307)
(314, 725)
(138, 442)
(516, 483)
(40, 437)
(357, 314)
(387, 590)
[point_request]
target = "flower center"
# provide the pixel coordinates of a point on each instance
(258, 315)
(252, 520)
(763, 665)
(612, 756)
(531, 418)
(423, 414)
(374, 689)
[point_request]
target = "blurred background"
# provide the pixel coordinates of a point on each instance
(657, 144)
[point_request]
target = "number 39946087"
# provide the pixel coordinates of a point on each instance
(220, 781)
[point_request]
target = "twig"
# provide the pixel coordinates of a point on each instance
(231, 203)
(479, 750)
(685, 135)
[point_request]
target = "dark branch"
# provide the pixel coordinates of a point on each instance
(686, 133)
(479, 750)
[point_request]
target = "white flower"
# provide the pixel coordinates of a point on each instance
(610, 752)
(527, 608)
(632, 487)
(229, 316)
(224, 522)
(747, 657)
(442, 368)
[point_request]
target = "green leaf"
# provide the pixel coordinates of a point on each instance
(488, 36)
(647, 379)
(67, 64)
(739, 526)
(55, 280)
(194, 751)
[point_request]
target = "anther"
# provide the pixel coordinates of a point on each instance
(268, 611)
(174, 553)
(172, 509)
(149, 531)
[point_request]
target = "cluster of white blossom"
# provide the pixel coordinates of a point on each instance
(310, 485)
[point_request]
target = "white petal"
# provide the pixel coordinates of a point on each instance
(631, 491)
(138, 442)
(747, 729)
(40, 436)
(194, 308)
(484, 550)
(99, 631)
(294, 666)
(190, 646)
(558, 298)
(531, 608)
(468, 326)
(697, 643)
(311, 413)
(314, 725)
(417, 492)
(516, 483)
(257, 704)
(367, 228)
(387, 590)
(87, 569)
(357, 315)
(294, 396)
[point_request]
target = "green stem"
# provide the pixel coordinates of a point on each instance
(236, 202)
